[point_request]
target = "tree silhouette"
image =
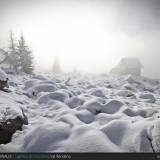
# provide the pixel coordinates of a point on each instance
(56, 66)
(26, 59)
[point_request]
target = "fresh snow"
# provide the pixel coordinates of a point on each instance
(87, 114)
(3, 75)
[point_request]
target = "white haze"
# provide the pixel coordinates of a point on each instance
(84, 35)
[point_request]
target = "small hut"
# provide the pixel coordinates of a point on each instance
(128, 66)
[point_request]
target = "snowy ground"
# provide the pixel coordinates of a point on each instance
(84, 114)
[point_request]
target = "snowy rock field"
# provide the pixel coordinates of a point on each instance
(83, 114)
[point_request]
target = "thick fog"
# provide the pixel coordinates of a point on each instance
(91, 36)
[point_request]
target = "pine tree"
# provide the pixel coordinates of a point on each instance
(13, 55)
(26, 59)
(56, 66)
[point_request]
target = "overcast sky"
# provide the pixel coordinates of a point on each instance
(90, 35)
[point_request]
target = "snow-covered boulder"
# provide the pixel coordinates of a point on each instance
(46, 137)
(74, 102)
(148, 97)
(40, 77)
(87, 139)
(34, 90)
(103, 118)
(30, 83)
(93, 106)
(136, 112)
(85, 116)
(57, 95)
(97, 92)
(115, 130)
(125, 93)
(12, 118)
(112, 107)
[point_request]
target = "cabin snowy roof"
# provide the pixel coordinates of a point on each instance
(131, 62)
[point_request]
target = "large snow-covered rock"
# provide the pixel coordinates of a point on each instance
(125, 93)
(85, 116)
(75, 101)
(46, 137)
(34, 90)
(87, 139)
(112, 107)
(148, 97)
(93, 106)
(97, 92)
(57, 95)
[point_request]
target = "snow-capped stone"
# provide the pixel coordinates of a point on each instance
(148, 96)
(46, 136)
(57, 95)
(74, 102)
(41, 88)
(93, 106)
(3, 75)
(125, 93)
(85, 116)
(88, 139)
(112, 107)
(97, 92)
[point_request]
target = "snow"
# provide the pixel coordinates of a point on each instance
(74, 102)
(93, 106)
(148, 96)
(57, 95)
(125, 93)
(46, 136)
(85, 116)
(112, 107)
(155, 136)
(86, 139)
(97, 92)
(41, 88)
(3, 75)
(90, 114)
(9, 112)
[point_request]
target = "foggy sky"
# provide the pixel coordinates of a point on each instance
(117, 28)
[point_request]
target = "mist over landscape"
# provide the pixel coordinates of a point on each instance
(91, 36)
